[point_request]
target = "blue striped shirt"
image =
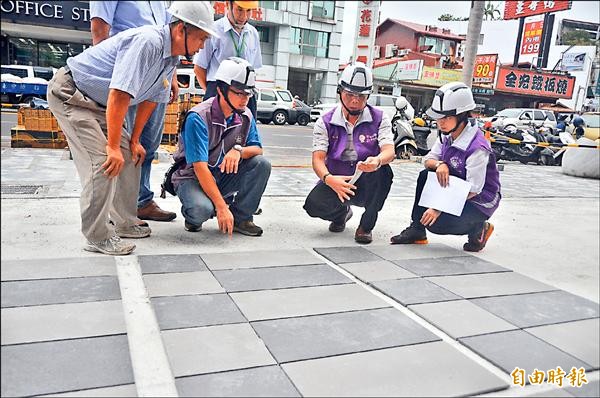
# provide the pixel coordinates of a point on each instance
(123, 15)
(219, 48)
(137, 61)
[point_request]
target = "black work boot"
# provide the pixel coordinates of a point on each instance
(412, 234)
(477, 241)
(341, 226)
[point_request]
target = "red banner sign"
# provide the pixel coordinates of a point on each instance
(484, 70)
(532, 37)
(221, 6)
(530, 82)
(518, 9)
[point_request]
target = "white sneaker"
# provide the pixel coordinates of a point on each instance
(113, 246)
(134, 231)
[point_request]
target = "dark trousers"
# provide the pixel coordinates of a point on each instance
(470, 221)
(372, 190)
(211, 91)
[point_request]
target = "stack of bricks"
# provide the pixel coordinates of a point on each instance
(37, 129)
(175, 116)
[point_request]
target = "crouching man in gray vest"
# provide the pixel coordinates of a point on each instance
(225, 173)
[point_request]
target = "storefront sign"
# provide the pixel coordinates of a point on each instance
(47, 13)
(529, 82)
(519, 9)
(482, 91)
(366, 20)
(221, 6)
(409, 70)
(438, 77)
(484, 70)
(532, 37)
(573, 61)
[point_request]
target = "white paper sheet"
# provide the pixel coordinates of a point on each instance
(450, 199)
(356, 176)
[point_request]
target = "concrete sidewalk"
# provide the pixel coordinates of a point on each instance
(299, 311)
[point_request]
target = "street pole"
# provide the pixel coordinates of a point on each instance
(518, 46)
(473, 31)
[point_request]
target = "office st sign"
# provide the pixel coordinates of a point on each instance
(531, 82)
(48, 13)
(519, 9)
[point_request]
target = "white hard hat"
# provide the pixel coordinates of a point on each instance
(450, 100)
(238, 73)
(401, 103)
(357, 78)
(201, 14)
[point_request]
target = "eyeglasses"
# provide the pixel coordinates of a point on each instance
(240, 94)
(353, 95)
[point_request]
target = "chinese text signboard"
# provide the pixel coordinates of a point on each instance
(484, 70)
(519, 9)
(221, 6)
(409, 70)
(438, 77)
(532, 37)
(367, 19)
(541, 84)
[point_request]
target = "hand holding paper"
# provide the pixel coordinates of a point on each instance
(450, 199)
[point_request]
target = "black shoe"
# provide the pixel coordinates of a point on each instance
(191, 227)
(361, 236)
(340, 227)
(410, 235)
(477, 242)
(248, 228)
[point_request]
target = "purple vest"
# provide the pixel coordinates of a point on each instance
(488, 199)
(364, 139)
(220, 138)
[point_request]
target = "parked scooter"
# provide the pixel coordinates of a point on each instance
(527, 151)
(404, 138)
(425, 134)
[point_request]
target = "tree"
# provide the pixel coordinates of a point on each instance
(450, 17)
(490, 12)
(577, 37)
(473, 31)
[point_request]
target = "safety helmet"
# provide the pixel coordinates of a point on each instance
(357, 78)
(451, 99)
(401, 103)
(197, 13)
(238, 73)
(247, 5)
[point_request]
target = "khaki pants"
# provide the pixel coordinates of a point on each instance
(83, 122)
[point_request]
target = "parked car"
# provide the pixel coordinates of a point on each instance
(275, 105)
(302, 112)
(521, 118)
(591, 128)
(24, 71)
(188, 83)
(385, 102)
(22, 83)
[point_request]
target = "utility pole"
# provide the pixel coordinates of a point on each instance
(473, 31)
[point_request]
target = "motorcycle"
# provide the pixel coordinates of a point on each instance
(404, 138)
(425, 134)
(527, 151)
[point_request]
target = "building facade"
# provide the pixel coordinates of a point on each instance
(300, 40)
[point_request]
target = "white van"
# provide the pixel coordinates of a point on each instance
(27, 71)
(188, 83)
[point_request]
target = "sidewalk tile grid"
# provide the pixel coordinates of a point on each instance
(66, 365)
(350, 254)
(58, 291)
(414, 291)
(409, 252)
(371, 271)
(589, 390)
(517, 348)
(260, 258)
(267, 381)
(340, 333)
(181, 283)
(125, 390)
(444, 266)
(13, 270)
(171, 263)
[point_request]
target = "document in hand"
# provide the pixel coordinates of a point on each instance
(450, 199)
(356, 176)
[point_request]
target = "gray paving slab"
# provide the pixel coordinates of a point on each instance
(196, 310)
(158, 264)
(372, 271)
(486, 285)
(239, 280)
(267, 381)
(406, 252)
(348, 254)
(516, 348)
(66, 365)
(57, 291)
(400, 371)
(342, 333)
(414, 291)
(181, 283)
(580, 338)
(61, 321)
(285, 303)
(13, 270)
(126, 390)
(214, 349)
(259, 258)
(591, 390)
(557, 392)
(536, 309)
(449, 266)
(461, 318)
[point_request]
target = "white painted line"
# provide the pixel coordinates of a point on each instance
(151, 369)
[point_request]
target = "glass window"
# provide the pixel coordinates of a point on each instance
(44, 73)
(24, 51)
(539, 115)
(285, 96)
(15, 71)
(273, 5)
(183, 81)
(263, 33)
(323, 9)
(550, 116)
(309, 42)
(267, 95)
(509, 113)
(52, 54)
(386, 101)
(526, 116)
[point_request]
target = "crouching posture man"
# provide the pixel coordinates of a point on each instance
(350, 136)
(463, 152)
(225, 173)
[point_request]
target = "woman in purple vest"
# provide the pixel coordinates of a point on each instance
(351, 136)
(465, 153)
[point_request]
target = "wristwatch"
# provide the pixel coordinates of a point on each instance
(238, 148)
(438, 164)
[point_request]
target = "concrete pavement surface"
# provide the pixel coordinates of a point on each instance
(299, 311)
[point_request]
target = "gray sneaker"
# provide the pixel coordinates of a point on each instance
(134, 231)
(113, 246)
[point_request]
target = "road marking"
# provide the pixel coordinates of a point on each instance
(151, 369)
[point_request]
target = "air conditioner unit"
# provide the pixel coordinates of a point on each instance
(389, 50)
(376, 52)
(403, 52)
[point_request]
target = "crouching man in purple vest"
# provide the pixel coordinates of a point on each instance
(352, 136)
(465, 153)
(225, 173)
